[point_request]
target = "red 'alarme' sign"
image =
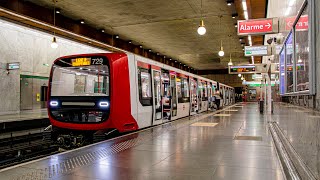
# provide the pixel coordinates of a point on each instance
(302, 23)
(257, 26)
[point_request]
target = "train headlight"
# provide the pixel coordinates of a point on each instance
(104, 104)
(54, 103)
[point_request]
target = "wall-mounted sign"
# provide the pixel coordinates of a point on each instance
(302, 24)
(258, 26)
(257, 51)
(13, 66)
(258, 83)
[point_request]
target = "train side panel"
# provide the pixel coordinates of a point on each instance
(133, 79)
(144, 112)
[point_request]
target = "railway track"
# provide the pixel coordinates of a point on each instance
(17, 147)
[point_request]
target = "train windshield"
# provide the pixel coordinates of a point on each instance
(80, 81)
(79, 91)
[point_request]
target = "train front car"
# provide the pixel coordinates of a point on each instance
(84, 96)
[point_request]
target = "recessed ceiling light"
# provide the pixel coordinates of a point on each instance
(234, 15)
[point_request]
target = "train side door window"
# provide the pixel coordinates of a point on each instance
(157, 94)
(200, 93)
(166, 94)
(194, 99)
(174, 103)
(204, 91)
(183, 90)
(144, 80)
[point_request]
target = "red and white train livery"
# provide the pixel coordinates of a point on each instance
(124, 92)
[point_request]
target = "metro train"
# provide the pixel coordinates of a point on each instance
(91, 95)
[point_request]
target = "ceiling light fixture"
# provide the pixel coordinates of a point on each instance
(230, 61)
(102, 30)
(130, 42)
(250, 40)
(235, 25)
(201, 29)
(242, 78)
(54, 43)
(239, 75)
(234, 15)
(82, 21)
(150, 50)
(58, 11)
(229, 3)
(245, 9)
(221, 52)
(141, 46)
(117, 36)
(289, 8)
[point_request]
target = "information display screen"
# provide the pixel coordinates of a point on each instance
(242, 69)
(81, 62)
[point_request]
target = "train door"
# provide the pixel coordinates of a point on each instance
(199, 89)
(209, 95)
(174, 99)
(166, 95)
(204, 96)
(193, 96)
(156, 91)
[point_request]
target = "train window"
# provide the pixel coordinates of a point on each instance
(183, 90)
(80, 81)
(179, 88)
(145, 84)
(144, 80)
(204, 91)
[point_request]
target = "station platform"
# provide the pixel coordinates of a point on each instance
(24, 115)
(232, 143)
(23, 121)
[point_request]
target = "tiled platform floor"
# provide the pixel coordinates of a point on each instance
(178, 150)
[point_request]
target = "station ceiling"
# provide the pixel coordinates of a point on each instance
(169, 27)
